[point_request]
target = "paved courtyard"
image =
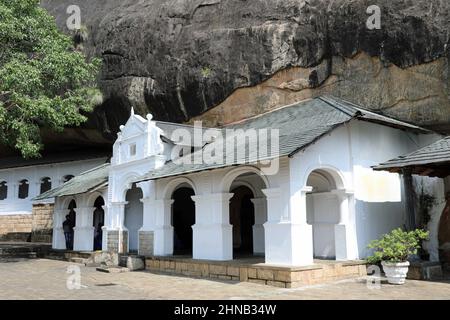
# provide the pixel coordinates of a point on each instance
(47, 279)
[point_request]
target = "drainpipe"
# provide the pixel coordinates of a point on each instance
(410, 207)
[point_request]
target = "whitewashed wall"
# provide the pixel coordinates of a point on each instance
(56, 172)
(351, 150)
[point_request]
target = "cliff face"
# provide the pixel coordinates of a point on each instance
(221, 60)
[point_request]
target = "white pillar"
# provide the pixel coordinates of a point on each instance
(105, 228)
(148, 226)
(149, 217)
(288, 242)
(212, 231)
(84, 230)
(260, 205)
(345, 231)
(163, 236)
(58, 239)
(116, 217)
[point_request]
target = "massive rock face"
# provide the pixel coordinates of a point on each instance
(222, 60)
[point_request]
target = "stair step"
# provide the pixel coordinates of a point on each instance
(112, 269)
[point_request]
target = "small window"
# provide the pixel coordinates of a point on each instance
(46, 184)
(3, 190)
(23, 189)
(68, 178)
(132, 150)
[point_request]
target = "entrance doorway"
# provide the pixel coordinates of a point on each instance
(133, 217)
(242, 218)
(98, 223)
(183, 218)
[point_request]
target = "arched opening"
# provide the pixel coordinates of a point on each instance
(23, 189)
(68, 178)
(69, 224)
(3, 190)
(183, 218)
(98, 222)
(133, 216)
(322, 208)
(46, 184)
(248, 213)
(242, 218)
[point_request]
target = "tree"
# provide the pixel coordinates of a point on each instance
(44, 81)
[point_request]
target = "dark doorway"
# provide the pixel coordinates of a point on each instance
(183, 217)
(242, 218)
(134, 217)
(72, 213)
(98, 223)
(72, 218)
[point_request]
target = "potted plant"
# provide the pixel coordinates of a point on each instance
(393, 250)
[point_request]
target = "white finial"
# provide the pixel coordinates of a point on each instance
(149, 117)
(132, 111)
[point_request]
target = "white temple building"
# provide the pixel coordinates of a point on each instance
(302, 188)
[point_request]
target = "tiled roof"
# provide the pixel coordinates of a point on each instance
(433, 154)
(87, 181)
(300, 125)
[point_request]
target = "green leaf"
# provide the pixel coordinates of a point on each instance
(44, 81)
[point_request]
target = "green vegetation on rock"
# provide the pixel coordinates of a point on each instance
(44, 81)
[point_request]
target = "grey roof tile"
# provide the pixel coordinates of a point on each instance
(437, 152)
(85, 182)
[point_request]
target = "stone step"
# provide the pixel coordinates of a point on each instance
(112, 269)
(22, 250)
(78, 260)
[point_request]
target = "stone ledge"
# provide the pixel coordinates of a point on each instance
(283, 277)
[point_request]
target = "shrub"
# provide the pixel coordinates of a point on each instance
(397, 245)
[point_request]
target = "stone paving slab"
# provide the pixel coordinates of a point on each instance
(46, 279)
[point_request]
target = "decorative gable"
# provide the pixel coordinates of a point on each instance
(138, 139)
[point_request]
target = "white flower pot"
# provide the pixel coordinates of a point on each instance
(395, 271)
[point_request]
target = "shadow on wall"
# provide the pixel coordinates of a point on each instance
(374, 219)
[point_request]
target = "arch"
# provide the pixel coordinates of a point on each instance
(23, 190)
(176, 183)
(133, 216)
(46, 184)
(240, 183)
(65, 202)
(332, 171)
(92, 198)
(3, 190)
(242, 218)
(247, 209)
(73, 221)
(98, 222)
(183, 218)
(323, 209)
(126, 183)
(228, 179)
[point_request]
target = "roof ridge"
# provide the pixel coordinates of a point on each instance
(340, 107)
(183, 125)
